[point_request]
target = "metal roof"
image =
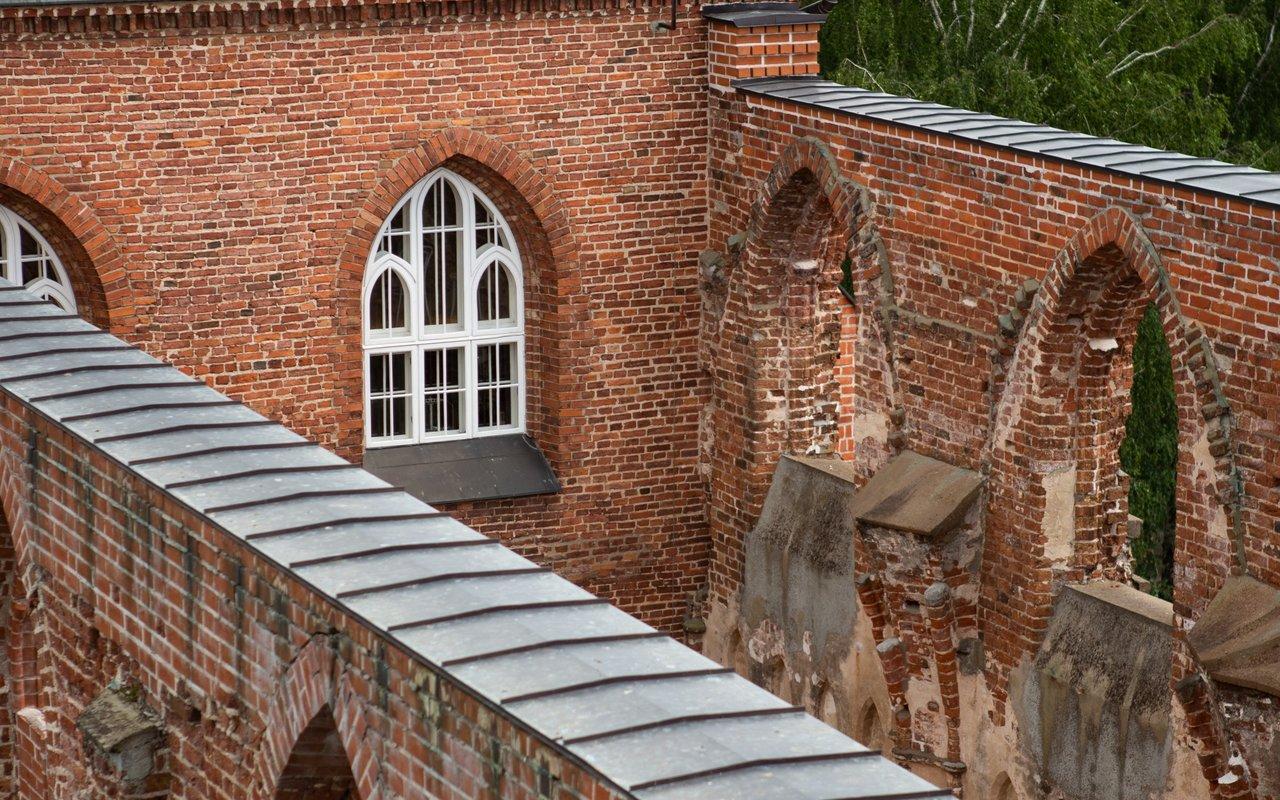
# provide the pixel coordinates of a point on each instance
(754, 15)
(646, 713)
(483, 468)
(1122, 158)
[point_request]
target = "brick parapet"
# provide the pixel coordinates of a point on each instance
(766, 51)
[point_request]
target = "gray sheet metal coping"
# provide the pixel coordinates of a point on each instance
(629, 704)
(483, 468)
(755, 15)
(1121, 158)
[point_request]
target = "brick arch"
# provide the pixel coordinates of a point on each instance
(22, 718)
(777, 341)
(1054, 456)
(96, 266)
(312, 685)
(548, 247)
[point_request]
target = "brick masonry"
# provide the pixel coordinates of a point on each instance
(213, 178)
(249, 671)
(944, 236)
(224, 172)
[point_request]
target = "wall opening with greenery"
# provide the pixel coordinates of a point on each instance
(1195, 76)
(1149, 455)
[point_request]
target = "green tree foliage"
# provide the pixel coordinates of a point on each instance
(1196, 76)
(1149, 454)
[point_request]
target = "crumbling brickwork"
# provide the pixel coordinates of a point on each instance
(997, 298)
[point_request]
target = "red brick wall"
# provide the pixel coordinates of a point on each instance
(761, 52)
(951, 230)
(228, 170)
(251, 674)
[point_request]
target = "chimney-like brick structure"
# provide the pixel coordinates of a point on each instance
(761, 40)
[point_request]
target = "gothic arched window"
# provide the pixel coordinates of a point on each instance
(443, 319)
(26, 258)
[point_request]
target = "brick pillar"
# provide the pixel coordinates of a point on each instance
(893, 663)
(30, 733)
(760, 40)
(1227, 781)
(937, 603)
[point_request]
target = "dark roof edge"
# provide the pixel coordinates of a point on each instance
(758, 15)
(494, 10)
(752, 86)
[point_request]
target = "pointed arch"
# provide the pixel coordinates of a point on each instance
(1056, 490)
(313, 711)
(776, 341)
(104, 290)
(550, 258)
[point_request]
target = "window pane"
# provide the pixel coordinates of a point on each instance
(441, 277)
(387, 312)
(494, 298)
(440, 206)
(389, 396)
(396, 239)
(486, 226)
(442, 379)
(497, 384)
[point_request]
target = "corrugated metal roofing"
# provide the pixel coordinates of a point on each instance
(1112, 155)
(645, 712)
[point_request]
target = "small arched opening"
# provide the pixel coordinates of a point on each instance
(869, 730)
(318, 768)
(1003, 789)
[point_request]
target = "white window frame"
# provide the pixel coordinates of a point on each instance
(58, 291)
(468, 335)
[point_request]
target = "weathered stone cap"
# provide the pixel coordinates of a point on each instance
(917, 494)
(1238, 638)
(1126, 598)
(110, 720)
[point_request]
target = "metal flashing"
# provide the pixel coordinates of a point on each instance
(1222, 179)
(752, 15)
(646, 714)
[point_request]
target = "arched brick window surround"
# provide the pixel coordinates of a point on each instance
(311, 683)
(96, 267)
(553, 303)
(774, 386)
(1063, 408)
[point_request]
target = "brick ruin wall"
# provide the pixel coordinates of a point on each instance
(214, 179)
(943, 236)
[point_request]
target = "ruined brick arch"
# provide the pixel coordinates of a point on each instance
(548, 248)
(312, 694)
(104, 290)
(774, 387)
(1057, 498)
(22, 751)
